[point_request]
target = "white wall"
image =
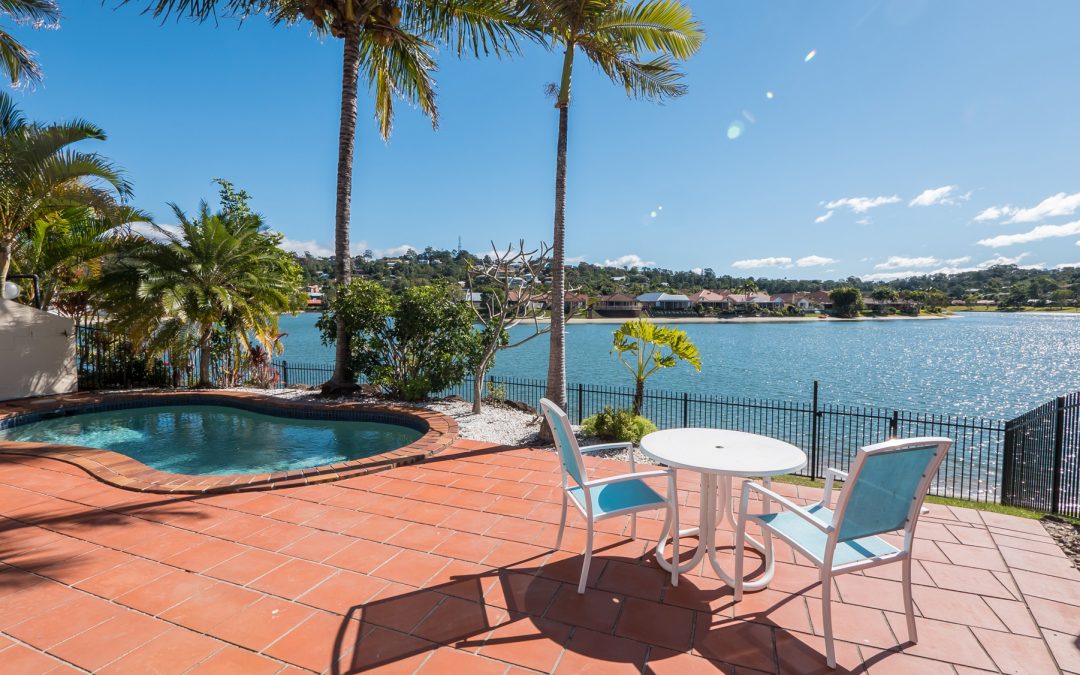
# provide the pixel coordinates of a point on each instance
(37, 352)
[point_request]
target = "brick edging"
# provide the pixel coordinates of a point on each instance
(124, 472)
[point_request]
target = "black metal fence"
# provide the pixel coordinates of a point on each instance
(1032, 461)
(1041, 463)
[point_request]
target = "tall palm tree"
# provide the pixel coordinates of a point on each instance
(391, 44)
(636, 46)
(172, 291)
(43, 175)
(16, 60)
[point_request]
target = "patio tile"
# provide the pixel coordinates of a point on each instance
(652, 623)
(1016, 653)
(275, 537)
(666, 662)
(247, 566)
(388, 651)
(343, 592)
(456, 661)
(593, 609)
(1053, 565)
(400, 607)
(205, 555)
(455, 620)
(776, 608)
(887, 662)
(855, 624)
(522, 593)
(292, 579)
(64, 621)
(231, 660)
(1056, 616)
(1065, 648)
(209, 607)
(162, 593)
(1051, 588)
(1015, 615)
(420, 537)
(317, 643)
(174, 651)
(530, 643)
(639, 580)
(802, 654)
(856, 589)
(466, 546)
(21, 659)
(411, 567)
(966, 579)
(263, 622)
(106, 642)
(317, 546)
(954, 606)
(949, 642)
(973, 556)
(588, 651)
(122, 578)
(742, 643)
(362, 556)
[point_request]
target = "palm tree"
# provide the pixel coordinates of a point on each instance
(748, 288)
(43, 175)
(636, 46)
(16, 60)
(171, 292)
(391, 44)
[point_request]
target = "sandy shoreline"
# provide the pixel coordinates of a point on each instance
(750, 319)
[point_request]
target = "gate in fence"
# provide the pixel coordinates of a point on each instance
(1041, 462)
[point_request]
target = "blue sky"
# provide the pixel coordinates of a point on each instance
(921, 136)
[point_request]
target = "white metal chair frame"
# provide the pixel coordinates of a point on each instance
(832, 529)
(556, 416)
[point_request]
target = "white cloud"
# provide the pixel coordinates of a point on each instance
(898, 262)
(697, 270)
(994, 213)
(934, 196)
(951, 267)
(300, 247)
(1037, 234)
(863, 221)
(813, 261)
(862, 204)
(822, 219)
(153, 232)
(1060, 204)
(1064, 265)
(575, 260)
(754, 263)
(628, 261)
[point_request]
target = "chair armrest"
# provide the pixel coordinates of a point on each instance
(830, 475)
(789, 505)
(627, 476)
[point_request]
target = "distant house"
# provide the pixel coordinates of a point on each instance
(664, 302)
(572, 302)
(711, 300)
(474, 299)
(763, 300)
(315, 298)
(618, 305)
(804, 302)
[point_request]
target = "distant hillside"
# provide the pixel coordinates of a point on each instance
(1006, 284)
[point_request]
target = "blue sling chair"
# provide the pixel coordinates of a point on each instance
(606, 497)
(883, 493)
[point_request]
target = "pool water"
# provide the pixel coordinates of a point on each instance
(208, 440)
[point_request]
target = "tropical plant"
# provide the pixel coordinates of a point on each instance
(884, 295)
(634, 45)
(748, 288)
(621, 426)
(16, 60)
(511, 290)
(213, 272)
(644, 348)
(410, 344)
(847, 301)
(43, 175)
(391, 44)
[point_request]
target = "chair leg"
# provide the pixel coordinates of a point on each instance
(909, 605)
(562, 522)
(588, 560)
(674, 513)
(740, 554)
(633, 526)
(826, 617)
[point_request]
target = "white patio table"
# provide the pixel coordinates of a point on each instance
(719, 455)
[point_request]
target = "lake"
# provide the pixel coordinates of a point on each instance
(990, 364)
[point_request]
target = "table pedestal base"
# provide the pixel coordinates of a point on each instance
(714, 511)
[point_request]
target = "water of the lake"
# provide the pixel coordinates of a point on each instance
(990, 364)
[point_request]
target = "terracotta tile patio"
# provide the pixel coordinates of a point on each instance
(446, 566)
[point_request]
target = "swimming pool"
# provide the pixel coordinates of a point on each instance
(203, 439)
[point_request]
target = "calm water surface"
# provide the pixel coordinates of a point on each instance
(206, 440)
(991, 364)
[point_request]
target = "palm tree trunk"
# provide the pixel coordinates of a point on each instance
(343, 379)
(204, 362)
(5, 261)
(556, 376)
(639, 396)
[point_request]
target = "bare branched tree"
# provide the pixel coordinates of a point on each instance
(510, 285)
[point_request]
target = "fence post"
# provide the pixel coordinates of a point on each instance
(285, 373)
(580, 402)
(815, 427)
(685, 409)
(894, 424)
(1059, 447)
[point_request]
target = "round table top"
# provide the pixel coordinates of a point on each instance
(733, 453)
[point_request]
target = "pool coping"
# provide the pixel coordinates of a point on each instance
(125, 472)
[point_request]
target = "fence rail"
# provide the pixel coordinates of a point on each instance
(1032, 461)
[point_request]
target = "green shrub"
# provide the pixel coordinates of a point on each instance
(617, 425)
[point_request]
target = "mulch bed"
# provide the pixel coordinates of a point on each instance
(1066, 534)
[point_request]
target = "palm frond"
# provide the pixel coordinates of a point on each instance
(17, 61)
(658, 26)
(655, 79)
(403, 68)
